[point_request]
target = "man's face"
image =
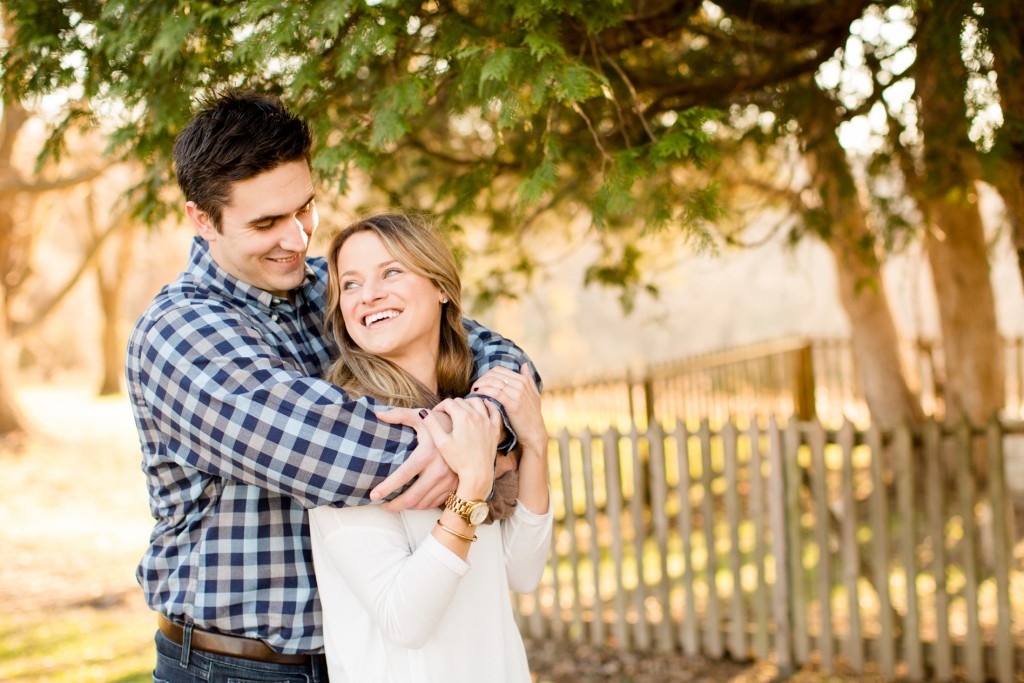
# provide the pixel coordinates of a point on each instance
(265, 228)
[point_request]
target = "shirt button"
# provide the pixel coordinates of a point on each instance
(276, 302)
(274, 317)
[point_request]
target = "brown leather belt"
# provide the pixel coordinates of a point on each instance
(232, 646)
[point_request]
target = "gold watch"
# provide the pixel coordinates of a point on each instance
(473, 511)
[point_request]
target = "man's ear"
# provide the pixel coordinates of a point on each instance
(201, 221)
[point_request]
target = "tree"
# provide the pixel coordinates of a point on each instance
(1003, 25)
(513, 111)
(13, 119)
(944, 187)
(502, 110)
(110, 283)
(16, 239)
(842, 222)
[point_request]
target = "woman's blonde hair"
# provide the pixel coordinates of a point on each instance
(415, 244)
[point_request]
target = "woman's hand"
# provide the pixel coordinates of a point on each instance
(518, 394)
(471, 446)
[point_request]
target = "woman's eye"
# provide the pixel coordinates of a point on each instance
(349, 284)
(391, 272)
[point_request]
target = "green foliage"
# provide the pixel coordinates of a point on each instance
(501, 110)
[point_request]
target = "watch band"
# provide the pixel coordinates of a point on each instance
(462, 507)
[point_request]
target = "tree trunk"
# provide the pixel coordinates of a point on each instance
(971, 343)
(111, 275)
(955, 239)
(11, 264)
(1004, 26)
(10, 417)
(873, 335)
(110, 338)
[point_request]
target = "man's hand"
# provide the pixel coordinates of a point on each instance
(434, 479)
(520, 397)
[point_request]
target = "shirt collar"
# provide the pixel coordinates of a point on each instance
(202, 266)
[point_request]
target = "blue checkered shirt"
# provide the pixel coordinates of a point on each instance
(239, 437)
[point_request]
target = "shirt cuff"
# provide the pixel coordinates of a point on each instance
(510, 442)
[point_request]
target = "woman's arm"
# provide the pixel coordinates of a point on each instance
(366, 550)
(469, 449)
(527, 542)
(527, 534)
(519, 393)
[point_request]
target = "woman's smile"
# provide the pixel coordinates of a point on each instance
(389, 310)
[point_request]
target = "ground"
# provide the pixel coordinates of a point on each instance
(74, 521)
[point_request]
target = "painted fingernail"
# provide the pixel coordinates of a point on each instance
(423, 413)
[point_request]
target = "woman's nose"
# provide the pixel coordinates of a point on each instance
(371, 290)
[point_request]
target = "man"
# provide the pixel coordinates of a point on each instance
(238, 434)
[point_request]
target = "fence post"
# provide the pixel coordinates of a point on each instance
(803, 383)
(649, 408)
(1002, 552)
(780, 549)
(798, 599)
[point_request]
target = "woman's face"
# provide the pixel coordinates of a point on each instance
(388, 310)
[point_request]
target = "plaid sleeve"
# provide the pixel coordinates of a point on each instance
(491, 350)
(223, 401)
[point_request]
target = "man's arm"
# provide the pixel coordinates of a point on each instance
(224, 401)
(490, 350)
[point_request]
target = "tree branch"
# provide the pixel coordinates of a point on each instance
(17, 185)
(121, 220)
(814, 19)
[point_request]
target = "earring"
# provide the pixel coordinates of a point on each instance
(445, 300)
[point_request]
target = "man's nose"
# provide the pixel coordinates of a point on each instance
(296, 235)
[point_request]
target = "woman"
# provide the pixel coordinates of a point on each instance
(422, 595)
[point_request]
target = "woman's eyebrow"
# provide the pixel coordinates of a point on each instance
(379, 266)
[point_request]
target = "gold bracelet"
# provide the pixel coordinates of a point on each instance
(453, 532)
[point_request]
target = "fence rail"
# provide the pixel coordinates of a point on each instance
(798, 376)
(893, 553)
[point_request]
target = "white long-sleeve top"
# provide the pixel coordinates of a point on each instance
(400, 607)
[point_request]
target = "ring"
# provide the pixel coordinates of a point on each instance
(505, 381)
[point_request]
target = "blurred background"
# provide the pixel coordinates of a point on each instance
(770, 247)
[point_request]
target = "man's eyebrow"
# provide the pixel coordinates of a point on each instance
(276, 218)
(379, 265)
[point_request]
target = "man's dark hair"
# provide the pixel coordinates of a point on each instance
(236, 135)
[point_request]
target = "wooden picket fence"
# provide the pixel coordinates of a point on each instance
(809, 378)
(857, 550)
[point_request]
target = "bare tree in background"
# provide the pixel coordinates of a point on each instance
(17, 242)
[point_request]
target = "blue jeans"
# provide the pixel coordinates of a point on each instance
(174, 665)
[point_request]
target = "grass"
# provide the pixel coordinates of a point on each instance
(77, 644)
(73, 524)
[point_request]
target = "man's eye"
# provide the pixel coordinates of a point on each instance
(263, 226)
(306, 209)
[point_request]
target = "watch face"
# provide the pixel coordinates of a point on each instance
(477, 514)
